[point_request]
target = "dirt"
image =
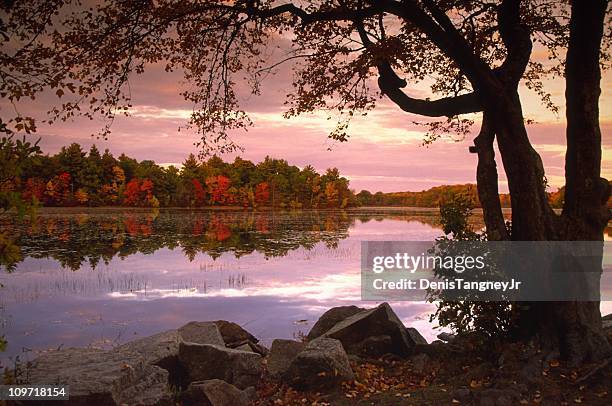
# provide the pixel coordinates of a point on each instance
(468, 372)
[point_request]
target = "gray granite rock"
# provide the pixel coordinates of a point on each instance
(205, 361)
(201, 332)
(98, 377)
(379, 321)
(214, 392)
(282, 353)
(322, 364)
(330, 318)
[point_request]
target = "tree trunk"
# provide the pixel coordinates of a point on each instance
(585, 213)
(574, 328)
(532, 217)
(487, 181)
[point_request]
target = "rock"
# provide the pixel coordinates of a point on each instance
(321, 365)
(253, 347)
(233, 335)
(330, 318)
(244, 347)
(379, 321)
(201, 332)
(214, 392)
(160, 349)
(420, 363)
(205, 361)
(259, 349)
(374, 346)
(416, 336)
(480, 372)
(463, 395)
(100, 377)
(282, 353)
(251, 393)
(446, 337)
(498, 397)
(531, 370)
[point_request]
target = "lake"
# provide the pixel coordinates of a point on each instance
(101, 277)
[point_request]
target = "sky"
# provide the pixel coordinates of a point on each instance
(384, 153)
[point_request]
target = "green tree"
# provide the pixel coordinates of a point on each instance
(91, 175)
(72, 161)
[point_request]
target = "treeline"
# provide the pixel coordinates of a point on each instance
(439, 194)
(74, 177)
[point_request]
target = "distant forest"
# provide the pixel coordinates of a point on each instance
(434, 196)
(74, 177)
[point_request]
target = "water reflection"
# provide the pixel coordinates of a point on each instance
(101, 277)
(78, 238)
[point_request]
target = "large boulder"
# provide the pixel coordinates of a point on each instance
(98, 377)
(160, 349)
(201, 332)
(446, 337)
(282, 353)
(606, 322)
(377, 322)
(205, 361)
(416, 336)
(373, 346)
(330, 318)
(233, 335)
(214, 392)
(322, 364)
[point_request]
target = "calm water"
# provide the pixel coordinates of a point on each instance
(103, 277)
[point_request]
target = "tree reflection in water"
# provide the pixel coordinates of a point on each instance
(76, 237)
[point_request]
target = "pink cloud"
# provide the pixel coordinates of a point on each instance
(384, 152)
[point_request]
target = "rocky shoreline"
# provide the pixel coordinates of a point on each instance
(350, 354)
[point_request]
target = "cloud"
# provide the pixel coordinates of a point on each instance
(384, 152)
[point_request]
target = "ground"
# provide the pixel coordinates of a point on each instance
(468, 372)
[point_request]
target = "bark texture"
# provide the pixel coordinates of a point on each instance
(585, 212)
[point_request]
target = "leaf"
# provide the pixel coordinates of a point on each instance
(59, 93)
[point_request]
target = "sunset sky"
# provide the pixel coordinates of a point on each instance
(384, 152)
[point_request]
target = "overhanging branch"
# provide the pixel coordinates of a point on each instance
(391, 85)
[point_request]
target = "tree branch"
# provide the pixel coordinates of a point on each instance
(487, 182)
(517, 40)
(391, 84)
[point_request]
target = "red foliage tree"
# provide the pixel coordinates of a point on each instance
(218, 187)
(34, 188)
(132, 193)
(146, 187)
(262, 193)
(198, 192)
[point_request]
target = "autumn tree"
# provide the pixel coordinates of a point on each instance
(262, 193)
(199, 193)
(347, 53)
(132, 193)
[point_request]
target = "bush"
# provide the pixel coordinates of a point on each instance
(491, 319)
